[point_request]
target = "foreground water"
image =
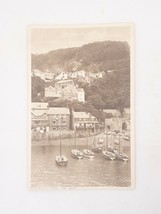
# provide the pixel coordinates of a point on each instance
(97, 172)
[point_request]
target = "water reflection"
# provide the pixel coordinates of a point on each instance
(97, 172)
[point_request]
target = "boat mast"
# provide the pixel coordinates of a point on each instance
(119, 144)
(106, 140)
(87, 136)
(75, 138)
(60, 144)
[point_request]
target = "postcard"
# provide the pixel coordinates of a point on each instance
(81, 106)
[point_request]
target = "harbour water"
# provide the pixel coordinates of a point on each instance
(96, 172)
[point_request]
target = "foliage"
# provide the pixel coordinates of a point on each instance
(92, 57)
(110, 92)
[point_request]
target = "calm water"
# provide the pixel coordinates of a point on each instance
(97, 172)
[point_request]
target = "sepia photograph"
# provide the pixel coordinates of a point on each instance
(81, 106)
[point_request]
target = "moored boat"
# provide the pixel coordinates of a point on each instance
(60, 159)
(108, 152)
(75, 153)
(108, 155)
(96, 147)
(119, 154)
(88, 153)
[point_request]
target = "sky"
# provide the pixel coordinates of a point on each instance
(45, 39)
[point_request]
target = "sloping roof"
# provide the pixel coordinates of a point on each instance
(38, 112)
(50, 88)
(58, 110)
(39, 105)
(64, 81)
(112, 111)
(82, 115)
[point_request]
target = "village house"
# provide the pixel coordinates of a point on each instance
(84, 121)
(77, 74)
(39, 73)
(81, 95)
(52, 92)
(67, 89)
(97, 75)
(49, 77)
(46, 76)
(59, 118)
(62, 76)
(110, 113)
(118, 121)
(113, 123)
(46, 118)
(39, 119)
(39, 106)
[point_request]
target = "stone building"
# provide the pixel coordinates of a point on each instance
(59, 118)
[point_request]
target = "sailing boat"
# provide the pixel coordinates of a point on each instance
(96, 147)
(75, 153)
(88, 153)
(60, 159)
(120, 155)
(108, 152)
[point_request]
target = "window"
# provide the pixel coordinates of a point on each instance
(54, 121)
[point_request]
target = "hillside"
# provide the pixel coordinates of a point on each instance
(112, 91)
(93, 57)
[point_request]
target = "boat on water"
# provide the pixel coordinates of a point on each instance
(88, 153)
(96, 147)
(119, 154)
(108, 155)
(126, 137)
(75, 153)
(108, 152)
(61, 159)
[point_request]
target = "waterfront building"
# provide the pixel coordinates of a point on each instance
(44, 117)
(113, 123)
(84, 120)
(59, 118)
(39, 119)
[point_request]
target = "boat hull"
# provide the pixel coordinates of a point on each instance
(121, 156)
(108, 155)
(88, 153)
(76, 154)
(61, 160)
(96, 148)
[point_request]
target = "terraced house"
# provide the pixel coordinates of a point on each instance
(46, 118)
